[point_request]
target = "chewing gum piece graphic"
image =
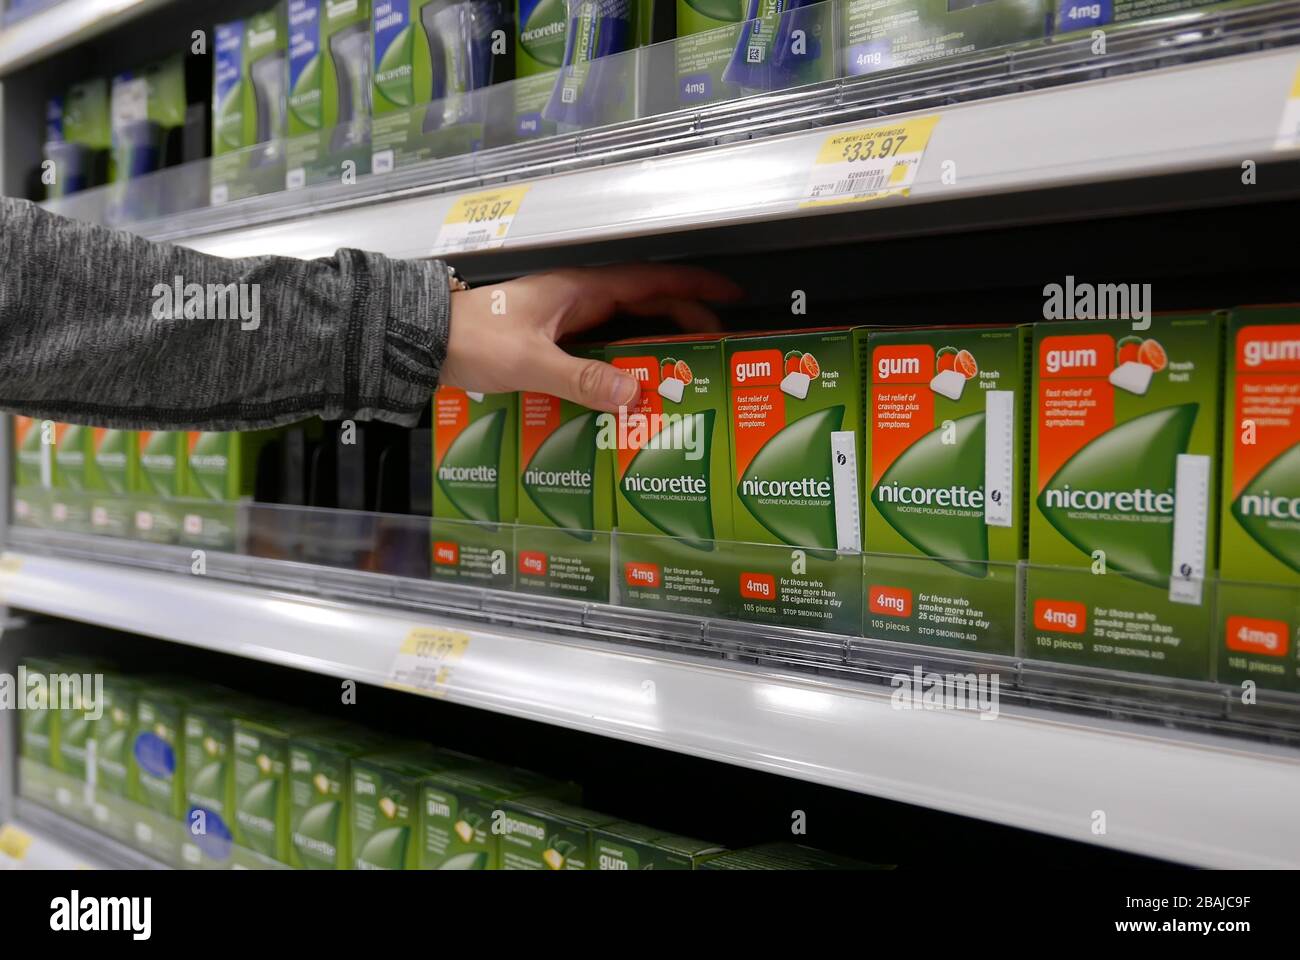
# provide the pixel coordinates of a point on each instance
(388, 807)
(1132, 376)
(672, 389)
(476, 397)
(948, 383)
(796, 385)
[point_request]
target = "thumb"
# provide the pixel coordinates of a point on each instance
(591, 383)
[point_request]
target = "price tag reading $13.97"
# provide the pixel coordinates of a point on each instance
(426, 659)
(869, 163)
(480, 221)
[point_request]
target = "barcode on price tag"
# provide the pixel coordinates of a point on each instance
(480, 221)
(426, 659)
(1288, 130)
(854, 166)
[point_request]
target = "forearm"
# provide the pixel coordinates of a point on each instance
(91, 331)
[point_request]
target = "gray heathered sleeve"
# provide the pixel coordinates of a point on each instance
(83, 338)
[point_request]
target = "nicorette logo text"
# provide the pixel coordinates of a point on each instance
(1139, 500)
(806, 488)
(696, 486)
(569, 479)
(954, 496)
(1264, 504)
(482, 473)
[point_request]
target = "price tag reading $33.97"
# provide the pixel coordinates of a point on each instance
(869, 163)
(426, 659)
(480, 221)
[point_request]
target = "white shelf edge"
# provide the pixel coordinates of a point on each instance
(60, 26)
(1180, 799)
(1182, 118)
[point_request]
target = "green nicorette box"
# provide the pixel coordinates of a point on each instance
(261, 737)
(70, 502)
(630, 846)
(432, 64)
(707, 34)
(249, 94)
(34, 467)
(160, 485)
(320, 796)
(156, 767)
(566, 497)
(475, 491)
(459, 806)
(544, 833)
(111, 478)
(386, 804)
(61, 701)
(672, 474)
(329, 90)
(883, 34)
(1124, 478)
(779, 856)
(79, 139)
(38, 722)
(210, 794)
(1259, 554)
(945, 519)
(220, 471)
(796, 425)
(114, 739)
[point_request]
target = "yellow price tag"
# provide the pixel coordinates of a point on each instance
(14, 842)
(480, 221)
(425, 661)
(1288, 128)
(869, 163)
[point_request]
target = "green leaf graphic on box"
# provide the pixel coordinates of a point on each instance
(71, 440)
(730, 10)
(545, 13)
(478, 445)
(74, 733)
(690, 520)
(111, 459)
(320, 823)
(209, 464)
(572, 447)
(475, 860)
(207, 782)
(308, 111)
(386, 849)
(799, 451)
(1280, 537)
(230, 118)
(959, 542)
(161, 476)
(114, 746)
(391, 77)
(259, 801)
(1138, 455)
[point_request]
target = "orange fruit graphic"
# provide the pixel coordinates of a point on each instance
(1128, 353)
(945, 361)
(1153, 355)
(683, 372)
(808, 364)
(792, 361)
(965, 364)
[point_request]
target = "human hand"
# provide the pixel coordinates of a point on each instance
(503, 336)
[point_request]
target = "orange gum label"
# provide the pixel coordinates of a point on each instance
(902, 405)
(1267, 395)
(1076, 403)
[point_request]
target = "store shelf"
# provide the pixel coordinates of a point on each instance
(1036, 133)
(1196, 117)
(55, 842)
(1165, 794)
(60, 26)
